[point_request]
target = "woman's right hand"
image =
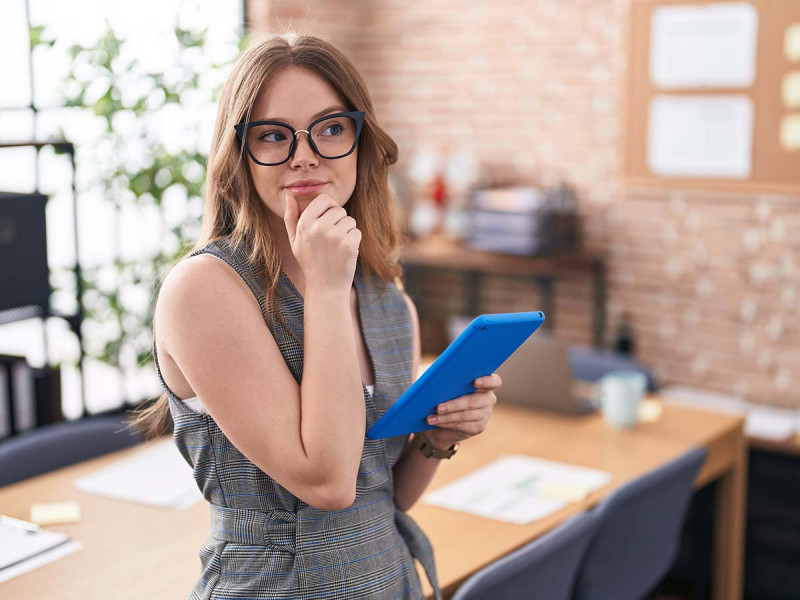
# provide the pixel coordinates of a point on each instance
(325, 241)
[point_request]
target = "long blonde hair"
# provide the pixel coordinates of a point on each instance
(234, 210)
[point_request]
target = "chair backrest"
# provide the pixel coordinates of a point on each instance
(544, 569)
(590, 364)
(54, 446)
(639, 533)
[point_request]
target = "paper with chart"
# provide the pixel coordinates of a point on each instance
(518, 489)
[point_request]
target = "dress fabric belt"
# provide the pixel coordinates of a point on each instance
(240, 526)
(277, 529)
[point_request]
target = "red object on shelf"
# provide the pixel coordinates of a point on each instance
(439, 192)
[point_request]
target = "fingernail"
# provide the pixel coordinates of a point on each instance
(442, 408)
(479, 381)
(433, 419)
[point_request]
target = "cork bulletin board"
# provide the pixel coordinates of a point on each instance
(713, 94)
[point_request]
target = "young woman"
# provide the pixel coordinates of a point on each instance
(284, 335)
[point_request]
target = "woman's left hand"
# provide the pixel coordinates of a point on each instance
(465, 416)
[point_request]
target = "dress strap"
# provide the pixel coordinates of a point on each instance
(420, 547)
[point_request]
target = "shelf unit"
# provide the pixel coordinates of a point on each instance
(436, 253)
(75, 320)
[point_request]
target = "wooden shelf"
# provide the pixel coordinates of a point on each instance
(437, 252)
(440, 253)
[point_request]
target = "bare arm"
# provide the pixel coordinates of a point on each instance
(333, 413)
(211, 325)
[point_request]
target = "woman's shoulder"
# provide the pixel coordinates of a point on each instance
(205, 281)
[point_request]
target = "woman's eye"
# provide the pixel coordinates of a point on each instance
(336, 127)
(271, 136)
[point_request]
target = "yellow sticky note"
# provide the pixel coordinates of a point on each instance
(791, 90)
(52, 513)
(790, 132)
(791, 42)
(563, 491)
(650, 411)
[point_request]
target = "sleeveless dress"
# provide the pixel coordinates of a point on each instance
(265, 543)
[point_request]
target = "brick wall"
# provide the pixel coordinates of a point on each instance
(711, 279)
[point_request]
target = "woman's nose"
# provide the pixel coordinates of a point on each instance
(303, 152)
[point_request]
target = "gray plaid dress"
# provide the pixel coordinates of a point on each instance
(267, 543)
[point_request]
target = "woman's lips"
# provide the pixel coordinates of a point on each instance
(307, 189)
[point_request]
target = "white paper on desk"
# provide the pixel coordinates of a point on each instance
(703, 46)
(39, 560)
(17, 543)
(507, 489)
(702, 398)
(157, 475)
(700, 136)
(771, 423)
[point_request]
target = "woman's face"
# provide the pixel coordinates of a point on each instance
(298, 96)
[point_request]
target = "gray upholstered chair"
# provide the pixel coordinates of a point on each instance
(544, 569)
(53, 446)
(639, 533)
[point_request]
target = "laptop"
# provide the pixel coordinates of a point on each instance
(538, 375)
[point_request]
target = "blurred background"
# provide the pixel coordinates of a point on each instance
(702, 274)
(633, 173)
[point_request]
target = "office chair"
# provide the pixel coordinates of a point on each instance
(639, 533)
(544, 569)
(60, 444)
(590, 364)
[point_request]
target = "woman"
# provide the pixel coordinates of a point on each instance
(283, 336)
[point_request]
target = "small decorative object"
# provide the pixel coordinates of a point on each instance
(624, 342)
(439, 197)
(423, 218)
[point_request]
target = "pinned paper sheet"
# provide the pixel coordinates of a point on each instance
(791, 90)
(791, 42)
(53, 513)
(708, 45)
(790, 133)
(700, 136)
(155, 475)
(519, 489)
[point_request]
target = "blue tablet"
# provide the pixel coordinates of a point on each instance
(483, 346)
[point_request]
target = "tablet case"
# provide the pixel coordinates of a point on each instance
(483, 346)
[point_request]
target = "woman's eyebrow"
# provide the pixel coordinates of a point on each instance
(325, 111)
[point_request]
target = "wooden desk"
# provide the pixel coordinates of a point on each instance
(139, 551)
(441, 254)
(464, 543)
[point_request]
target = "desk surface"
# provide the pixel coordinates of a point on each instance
(146, 552)
(579, 440)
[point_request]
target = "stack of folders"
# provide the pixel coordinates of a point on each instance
(25, 546)
(29, 397)
(524, 221)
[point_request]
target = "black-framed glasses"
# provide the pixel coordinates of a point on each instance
(271, 143)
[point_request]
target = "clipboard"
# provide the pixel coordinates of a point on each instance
(482, 347)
